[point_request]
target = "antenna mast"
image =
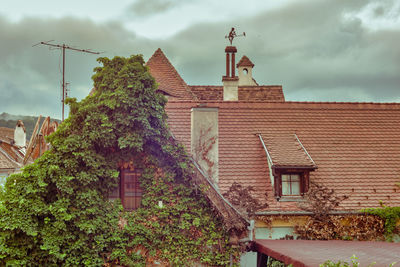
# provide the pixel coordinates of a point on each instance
(63, 47)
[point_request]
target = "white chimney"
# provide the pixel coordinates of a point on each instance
(204, 140)
(20, 134)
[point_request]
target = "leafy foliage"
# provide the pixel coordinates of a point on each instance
(242, 198)
(342, 227)
(324, 226)
(354, 263)
(275, 263)
(56, 212)
(391, 215)
(320, 200)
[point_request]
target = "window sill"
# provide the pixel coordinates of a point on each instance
(291, 199)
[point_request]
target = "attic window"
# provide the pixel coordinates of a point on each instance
(290, 183)
(128, 190)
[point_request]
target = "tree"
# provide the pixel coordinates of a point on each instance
(57, 212)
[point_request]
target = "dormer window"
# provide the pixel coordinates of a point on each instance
(289, 166)
(290, 183)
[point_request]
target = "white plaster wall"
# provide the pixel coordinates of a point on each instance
(246, 78)
(231, 90)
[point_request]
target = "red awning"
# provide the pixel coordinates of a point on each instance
(311, 253)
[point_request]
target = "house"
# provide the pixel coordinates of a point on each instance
(15, 151)
(12, 149)
(246, 133)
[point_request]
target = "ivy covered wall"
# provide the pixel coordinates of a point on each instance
(57, 213)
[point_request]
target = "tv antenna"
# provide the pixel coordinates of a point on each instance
(63, 47)
(232, 34)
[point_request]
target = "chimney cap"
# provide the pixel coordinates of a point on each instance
(230, 49)
(21, 124)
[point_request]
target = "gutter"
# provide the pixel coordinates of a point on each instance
(335, 212)
(269, 160)
(305, 150)
(217, 191)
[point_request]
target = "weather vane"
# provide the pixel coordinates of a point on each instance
(232, 35)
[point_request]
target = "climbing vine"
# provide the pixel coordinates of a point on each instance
(391, 216)
(57, 213)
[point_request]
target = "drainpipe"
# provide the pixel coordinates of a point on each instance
(251, 230)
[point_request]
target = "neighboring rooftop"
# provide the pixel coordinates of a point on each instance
(6, 134)
(10, 156)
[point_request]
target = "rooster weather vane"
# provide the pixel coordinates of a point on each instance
(232, 35)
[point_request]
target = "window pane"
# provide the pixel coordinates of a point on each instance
(295, 188)
(295, 177)
(285, 188)
(290, 184)
(132, 191)
(285, 177)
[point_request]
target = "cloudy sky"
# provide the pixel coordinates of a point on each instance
(318, 50)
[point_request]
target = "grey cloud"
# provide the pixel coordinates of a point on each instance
(379, 11)
(31, 76)
(142, 8)
(309, 47)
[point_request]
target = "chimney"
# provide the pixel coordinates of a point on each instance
(20, 134)
(204, 140)
(230, 81)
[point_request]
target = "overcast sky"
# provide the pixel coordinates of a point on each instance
(325, 50)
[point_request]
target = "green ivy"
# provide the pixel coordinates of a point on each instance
(56, 211)
(391, 215)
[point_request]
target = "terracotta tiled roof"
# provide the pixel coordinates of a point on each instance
(10, 156)
(272, 93)
(286, 150)
(208, 92)
(356, 146)
(245, 62)
(6, 134)
(167, 77)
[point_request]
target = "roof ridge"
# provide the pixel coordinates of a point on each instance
(377, 104)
